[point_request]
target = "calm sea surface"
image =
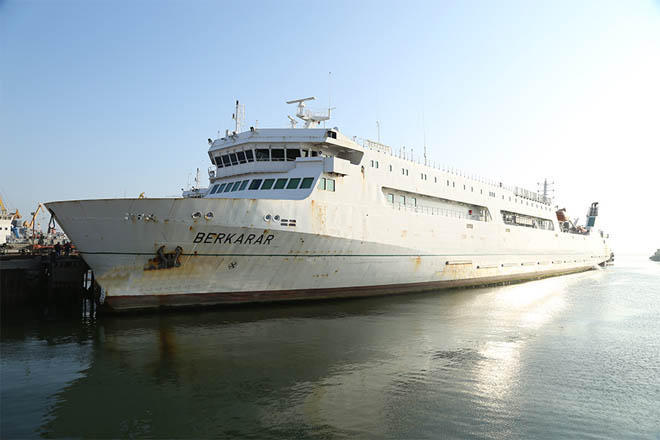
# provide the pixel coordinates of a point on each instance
(569, 357)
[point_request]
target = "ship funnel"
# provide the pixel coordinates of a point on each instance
(591, 215)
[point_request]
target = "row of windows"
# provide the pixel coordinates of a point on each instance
(403, 200)
(263, 184)
(262, 155)
(424, 176)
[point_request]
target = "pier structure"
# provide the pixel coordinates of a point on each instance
(45, 281)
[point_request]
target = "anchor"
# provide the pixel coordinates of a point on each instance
(165, 260)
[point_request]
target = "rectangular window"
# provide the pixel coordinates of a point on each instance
(255, 184)
(249, 155)
(315, 153)
(321, 184)
(390, 198)
(268, 184)
(236, 185)
(448, 183)
(218, 161)
(293, 183)
(277, 154)
(263, 154)
(292, 153)
(307, 183)
(234, 159)
(280, 183)
(376, 164)
(214, 189)
(372, 164)
(225, 160)
(241, 157)
(221, 188)
(403, 171)
(228, 187)
(243, 185)
(413, 201)
(402, 200)
(390, 168)
(330, 185)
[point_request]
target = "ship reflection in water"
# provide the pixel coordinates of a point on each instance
(539, 359)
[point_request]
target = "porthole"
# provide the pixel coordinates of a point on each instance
(208, 216)
(267, 217)
(277, 218)
(197, 214)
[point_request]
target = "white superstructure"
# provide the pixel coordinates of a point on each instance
(299, 213)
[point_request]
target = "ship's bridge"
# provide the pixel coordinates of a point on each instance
(278, 154)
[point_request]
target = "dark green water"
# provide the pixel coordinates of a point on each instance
(568, 357)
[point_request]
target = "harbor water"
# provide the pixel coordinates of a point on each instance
(576, 356)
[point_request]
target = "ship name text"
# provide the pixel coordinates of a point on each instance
(222, 238)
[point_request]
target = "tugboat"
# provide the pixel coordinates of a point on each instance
(656, 256)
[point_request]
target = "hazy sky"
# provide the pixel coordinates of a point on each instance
(106, 99)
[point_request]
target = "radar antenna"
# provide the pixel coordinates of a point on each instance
(310, 117)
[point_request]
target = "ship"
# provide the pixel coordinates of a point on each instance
(300, 213)
(656, 256)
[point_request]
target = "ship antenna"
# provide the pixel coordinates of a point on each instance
(378, 128)
(424, 130)
(238, 116)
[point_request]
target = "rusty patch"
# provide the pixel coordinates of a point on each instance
(165, 260)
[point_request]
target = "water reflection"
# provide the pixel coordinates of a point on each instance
(455, 362)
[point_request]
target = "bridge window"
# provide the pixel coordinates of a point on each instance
(263, 154)
(243, 185)
(279, 184)
(307, 183)
(292, 153)
(214, 189)
(293, 183)
(236, 185)
(315, 153)
(218, 161)
(268, 184)
(249, 155)
(241, 157)
(277, 154)
(221, 188)
(225, 160)
(255, 184)
(228, 187)
(234, 159)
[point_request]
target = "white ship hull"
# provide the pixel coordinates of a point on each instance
(334, 250)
